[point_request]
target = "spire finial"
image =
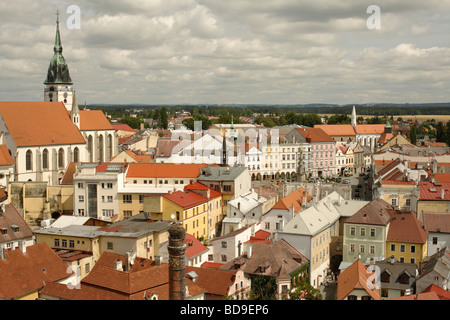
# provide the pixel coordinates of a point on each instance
(57, 16)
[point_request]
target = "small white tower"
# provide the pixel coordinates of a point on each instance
(354, 118)
(75, 112)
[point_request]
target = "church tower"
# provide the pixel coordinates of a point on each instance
(354, 118)
(58, 84)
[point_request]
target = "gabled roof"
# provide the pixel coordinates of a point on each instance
(405, 227)
(214, 281)
(355, 277)
(5, 157)
(12, 217)
(370, 128)
(432, 191)
(193, 246)
(40, 124)
(21, 274)
(437, 221)
(94, 120)
(337, 129)
(315, 135)
(185, 200)
(294, 199)
(376, 212)
(123, 127)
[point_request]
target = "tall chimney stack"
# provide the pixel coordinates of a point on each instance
(177, 248)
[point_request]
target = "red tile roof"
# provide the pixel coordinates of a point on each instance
(123, 127)
(315, 135)
(213, 265)
(201, 187)
(193, 246)
(430, 191)
(215, 282)
(337, 129)
(94, 120)
(405, 227)
(40, 124)
(355, 277)
(376, 212)
(5, 157)
(398, 182)
(435, 221)
(370, 128)
(185, 200)
(21, 274)
(294, 199)
(10, 217)
(442, 294)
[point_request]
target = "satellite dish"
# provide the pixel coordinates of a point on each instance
(172, 216)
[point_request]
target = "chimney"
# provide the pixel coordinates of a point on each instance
(177, 270)
(158, 261)
(118, 265)
(392, 260)
(249, 251)
(442, 193)
(23, 247)
(130, 256)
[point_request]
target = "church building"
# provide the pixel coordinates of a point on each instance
(44, 137)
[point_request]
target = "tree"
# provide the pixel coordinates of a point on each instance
(263, 287)
(413, 134)
(163, 118)
(440, 132)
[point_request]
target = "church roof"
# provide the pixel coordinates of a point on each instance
(58, 70)
(39, 123)
(94, 120)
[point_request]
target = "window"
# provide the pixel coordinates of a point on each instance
(408, 202)
(29, 160)
(435, 240)
(81, 212)
(224, 258)
(141, 198)
(372, 232)
(267, 225)
(227, 188)
(352, 247)
(56, 242)
(110, 198)
(224, 244)
(110, 246)
(363, 232)
(362, 248)
(80, 185)
(71, 244)
(394, 201)
(352, 231)
(402, 248)
(127, 198)
(127, 213)
(372, 249)
(45, 159)
(61, 158)
(392, 247)
(87, 268)
(81, 198)
(64, 243)
(413, 249)
(108, 212)
(76, 154)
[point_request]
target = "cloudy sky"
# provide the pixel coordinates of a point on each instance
(230, 51)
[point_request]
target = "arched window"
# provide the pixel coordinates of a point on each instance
(101, 150)
(61, 158)
(76, 154)
(29, 160)
(45, 159)
(90, 148)
(110, 147)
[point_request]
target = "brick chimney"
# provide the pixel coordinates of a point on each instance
(177, 272)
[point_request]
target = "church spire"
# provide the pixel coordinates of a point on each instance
(354, 117)
(75, 111)
(58, 71)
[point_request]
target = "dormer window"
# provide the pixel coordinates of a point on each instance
(3, 231)
(15, 228)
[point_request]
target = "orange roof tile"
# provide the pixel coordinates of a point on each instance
(337, 129)
(193, 246)
(294, 199)
(370, 128)
(315, 135)
(5, 157)
(40, 124)
(185, 200)
(430, 191)
(94, 120)
(21, 273)
(123, 127)
(355, 277)
(405, 227)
